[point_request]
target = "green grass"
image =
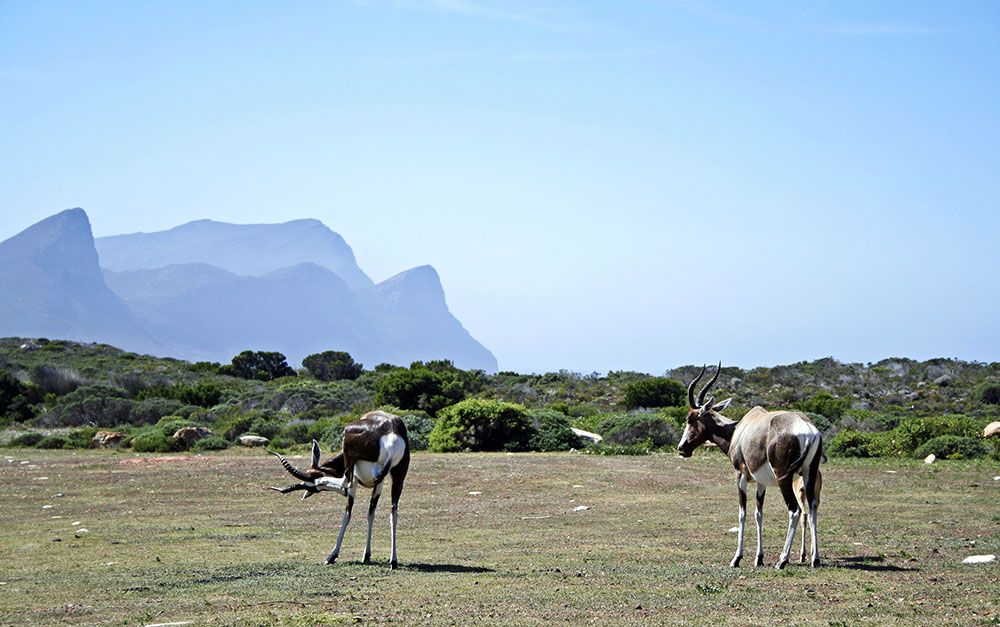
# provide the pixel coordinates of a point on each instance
(199, 538)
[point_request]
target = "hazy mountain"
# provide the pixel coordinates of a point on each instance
(412, 316)
(51, 285)
(214, 314)
(244, 249)
(208, 290)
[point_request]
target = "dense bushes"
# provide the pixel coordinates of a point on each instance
(953, 447)
(332, 366)
(639, 428)
(654, 392)
(482, 425)
(552, 431)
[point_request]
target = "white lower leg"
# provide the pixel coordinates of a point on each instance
(740, 535)
(812, 528)
(793, 523)
(758, 519)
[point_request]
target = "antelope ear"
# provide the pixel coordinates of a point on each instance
(724, 404)
(707, 407)
(315, 460)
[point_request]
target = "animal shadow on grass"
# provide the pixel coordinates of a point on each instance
(868, 563)
(446, 568)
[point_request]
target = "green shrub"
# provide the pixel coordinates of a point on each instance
(482, 425)
(154, 441)
(80, 438)
(988, 392)
(418, 429)
(654, 392)
(825, 404)
(633, 429)
(332, 366)
(552, 431)
(30, 438)
(953, 447)
(913, 432)
(851, 443)
(211, 443)
(333, 436)
(266, 426)
(53, 441)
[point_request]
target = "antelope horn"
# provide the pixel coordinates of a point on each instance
(292, 470)
(691, 388)
(701, 397)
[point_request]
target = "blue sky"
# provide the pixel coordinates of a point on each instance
(601, 185)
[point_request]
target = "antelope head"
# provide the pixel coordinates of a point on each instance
(328, 476)
(700, 414)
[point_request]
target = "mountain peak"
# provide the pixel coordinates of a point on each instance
(244, 249)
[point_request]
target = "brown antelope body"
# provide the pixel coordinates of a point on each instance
(375, 446)
(767, 448)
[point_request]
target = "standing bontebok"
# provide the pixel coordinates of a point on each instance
(766, 447)
(375, 446)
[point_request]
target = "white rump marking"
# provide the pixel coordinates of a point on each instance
(391, 451)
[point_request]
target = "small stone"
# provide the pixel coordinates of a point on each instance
(930, 459)
(734, 530)
(82, 532)
(979, 559)
(580, 508)
(638, 606)
(57, 539)
(77, 524)
(47, 506)
(475, 493)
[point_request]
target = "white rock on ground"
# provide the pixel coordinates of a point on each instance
(930, 459)
(979, 559)
(253, 440)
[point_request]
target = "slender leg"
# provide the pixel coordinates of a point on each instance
(813, 510)
(377, 492)
(741, 486)
(793, 521)
(758, 518)
(398, 475)
(332, 557)
(805, 523)
(812, 498)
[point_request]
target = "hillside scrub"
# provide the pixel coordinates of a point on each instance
(889, 408)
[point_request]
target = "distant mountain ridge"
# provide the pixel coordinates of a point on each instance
(206, 290)
(245, 249)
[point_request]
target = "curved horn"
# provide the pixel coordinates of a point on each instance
(691, 388)
(704, 390)
(292, 470)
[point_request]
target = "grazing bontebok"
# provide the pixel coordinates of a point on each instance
(375, 446)
(766, 447)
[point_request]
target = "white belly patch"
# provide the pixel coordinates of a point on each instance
(764, 475)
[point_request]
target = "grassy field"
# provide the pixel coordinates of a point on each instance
(484, 538)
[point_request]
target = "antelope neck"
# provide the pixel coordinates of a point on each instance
(721, 431)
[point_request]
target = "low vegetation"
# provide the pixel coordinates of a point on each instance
(99, 538)
(59, 394)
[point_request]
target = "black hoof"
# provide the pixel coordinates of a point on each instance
(736, 561)
(815, 563)
(781, 565)
(393, 565)
(759, 561)
(367, 559)
(330, 559)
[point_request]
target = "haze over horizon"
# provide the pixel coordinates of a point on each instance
(600, 187)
